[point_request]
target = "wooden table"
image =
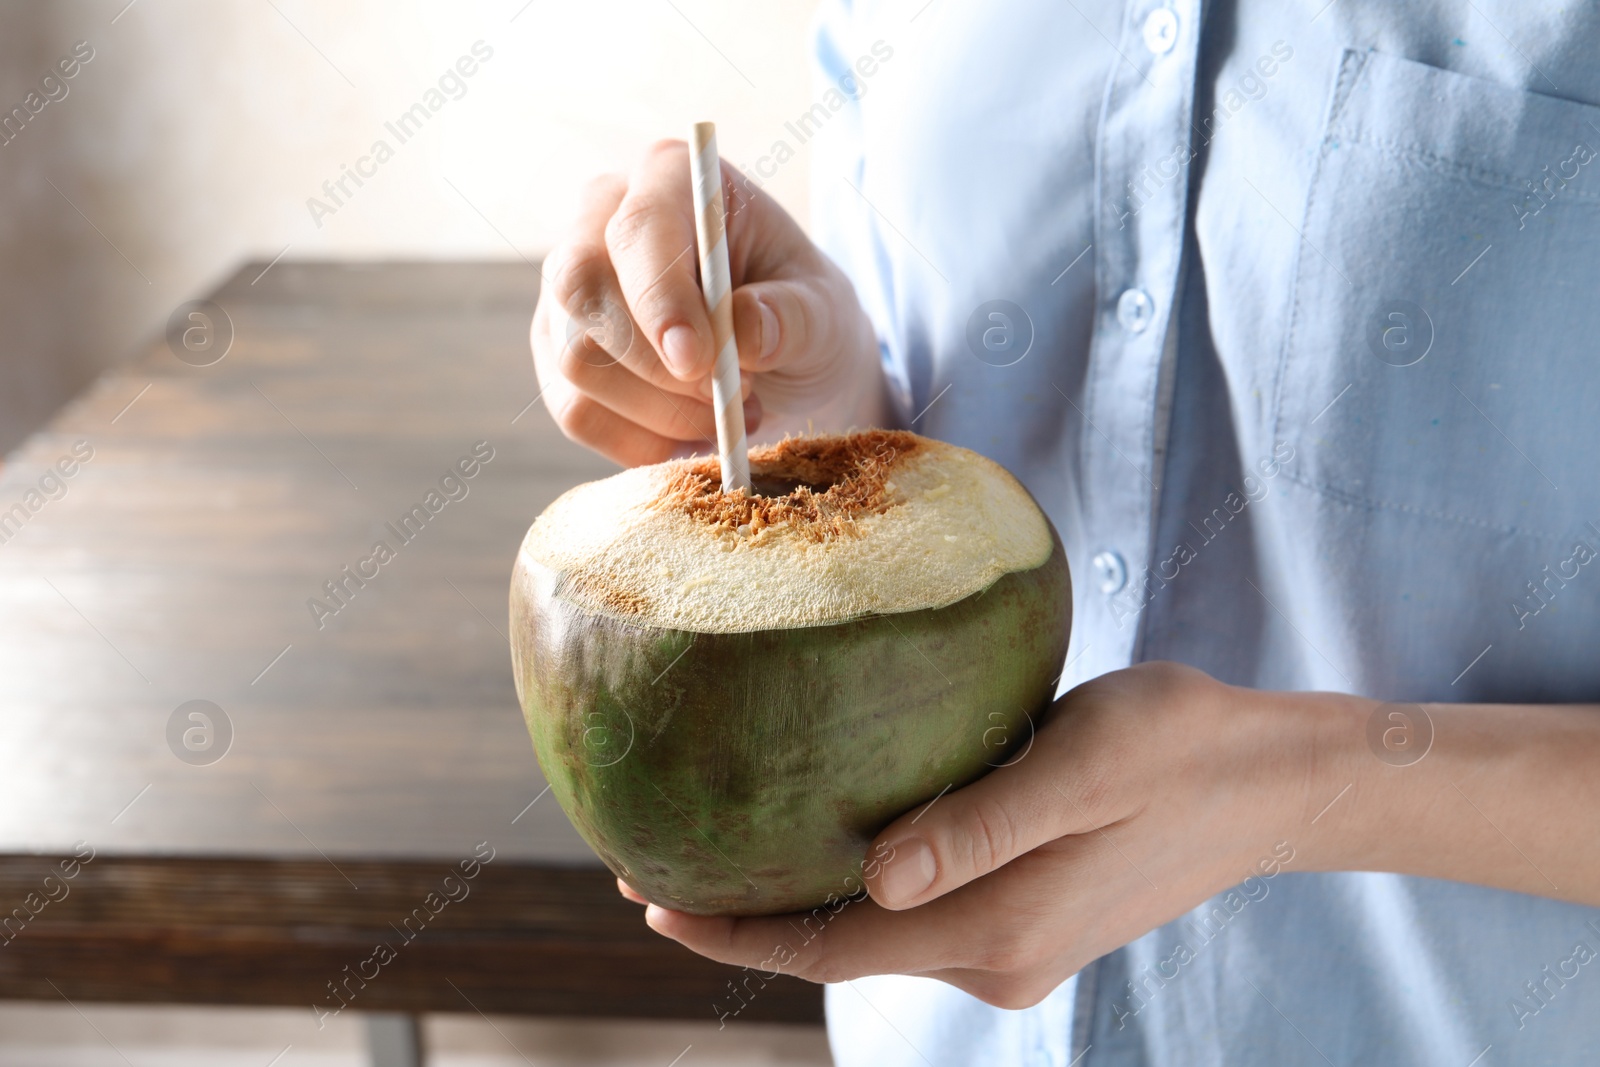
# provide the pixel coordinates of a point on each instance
(376, 742)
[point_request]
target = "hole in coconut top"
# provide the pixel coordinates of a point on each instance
(779, 486)
(816, 486)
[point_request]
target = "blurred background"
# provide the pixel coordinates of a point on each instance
(196, 134)
(193, 137)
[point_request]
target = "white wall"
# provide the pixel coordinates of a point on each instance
(197, 133)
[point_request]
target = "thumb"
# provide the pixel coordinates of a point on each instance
(778, 323)
(970, 832)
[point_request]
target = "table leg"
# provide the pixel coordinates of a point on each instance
(393, 1039)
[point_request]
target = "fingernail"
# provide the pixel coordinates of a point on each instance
(681, 348)
(769, 329)
(912, 871)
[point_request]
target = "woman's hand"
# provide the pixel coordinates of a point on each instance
(1144, 793)
(1149, 790)
(622, 342)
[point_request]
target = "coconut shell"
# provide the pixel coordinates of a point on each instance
(729, 770)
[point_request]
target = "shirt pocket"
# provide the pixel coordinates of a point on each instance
(1444, 325)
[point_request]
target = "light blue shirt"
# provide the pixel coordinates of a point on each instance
(1289, 315)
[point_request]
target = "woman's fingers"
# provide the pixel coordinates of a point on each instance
(622, 340)
(651, 241)
(592, 424)
(682, 418)
(1054, 789)
(1008, 939)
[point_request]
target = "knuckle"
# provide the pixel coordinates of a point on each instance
(1011, 993)
(581, 270)
(571, 364)
(1095, 793)
(797, 325)
(631, 252)
(1007, 956)
(806, 327)
(989, 834)
(666, 147)
(817, 964)
(571, 414)
(603, 186)
(1166, 676)
(628, 225)
(580, 359)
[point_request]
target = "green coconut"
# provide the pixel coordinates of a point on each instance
(731, 695)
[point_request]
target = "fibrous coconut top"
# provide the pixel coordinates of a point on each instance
(839, 527)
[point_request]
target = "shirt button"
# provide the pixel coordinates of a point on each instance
(1135, 310)
(1111, 570)
(1160, 31)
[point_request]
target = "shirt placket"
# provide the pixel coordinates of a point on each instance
(1144, 151)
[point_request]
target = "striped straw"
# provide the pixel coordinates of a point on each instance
(705, 172)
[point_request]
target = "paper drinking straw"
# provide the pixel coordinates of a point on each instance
(705, 173)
